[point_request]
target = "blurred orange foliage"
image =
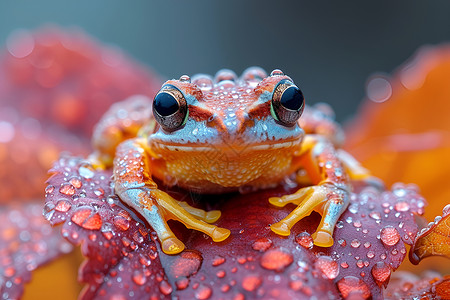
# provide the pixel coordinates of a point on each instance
(402, 132)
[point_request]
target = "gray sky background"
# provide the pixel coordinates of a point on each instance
(329, 48)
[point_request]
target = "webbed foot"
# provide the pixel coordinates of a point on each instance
(327, 199)
(157, 207)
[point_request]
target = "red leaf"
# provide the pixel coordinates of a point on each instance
(124, 259)
(409, 286)
(50, 80)
(27, 242)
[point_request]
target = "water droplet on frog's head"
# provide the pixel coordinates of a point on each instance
(225, 74)
(254, 74)
(185, 78)
(389, 236)
(276, 72)
(203, 81)
(20, 43)
(378, 89)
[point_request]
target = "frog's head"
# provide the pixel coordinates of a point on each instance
(238, 118)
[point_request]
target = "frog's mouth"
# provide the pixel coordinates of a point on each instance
(225, 147)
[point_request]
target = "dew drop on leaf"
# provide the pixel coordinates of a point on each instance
(381, 273)
(262, 244)
(67, 189)
(203, 292)
(328, 266)
(389, 236)
(305, 240)
(353, 286)
(276, 260)
(251, 282)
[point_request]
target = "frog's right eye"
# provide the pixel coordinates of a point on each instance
(170, 108)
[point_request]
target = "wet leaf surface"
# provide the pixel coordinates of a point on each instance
(431, 286)
(433, 239)
(27, 242)
(50, 80)
(123, 256)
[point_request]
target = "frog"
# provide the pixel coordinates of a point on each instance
(222, 134)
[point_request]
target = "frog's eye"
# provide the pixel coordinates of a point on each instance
(287, 103)
(170, 108)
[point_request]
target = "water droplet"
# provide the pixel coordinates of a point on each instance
(276, 259)
(121, 223)
(221, 274)
(86, 218)
(165, 288)
(375, 215)
(305, 240)
(342, 242)
(182, 283)
(49, 189)
(185, 78)
(370, 254)
(328, 266)
(63, 206)
(48, 211)
(185, 264)
(381, 273)
(251, 282)
(276, 72)
(262, 244)
(359, 263)
(350, 285)
(401, 206)
(218, 260)
(86, 171)
(76, 182)
(389, 236)
(355, 243)
(203, 292)
(344, 265)
(67, 189)
(139, 277)
(367, 245)
(379, 89)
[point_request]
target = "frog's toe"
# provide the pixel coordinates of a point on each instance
(172, 245)
(328, 200)
(212, 216)
(281, 228)
(220, 234)
(322, 238)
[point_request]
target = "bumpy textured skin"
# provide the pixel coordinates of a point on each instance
(230, 141)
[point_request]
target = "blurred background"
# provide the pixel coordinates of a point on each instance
(328, 48)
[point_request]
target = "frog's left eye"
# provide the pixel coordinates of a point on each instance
(170, 108)
(287, 103)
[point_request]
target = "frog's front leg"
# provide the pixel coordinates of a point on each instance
(329, 196)
(134, 185)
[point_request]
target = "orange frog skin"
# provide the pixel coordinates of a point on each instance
(222, 134)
